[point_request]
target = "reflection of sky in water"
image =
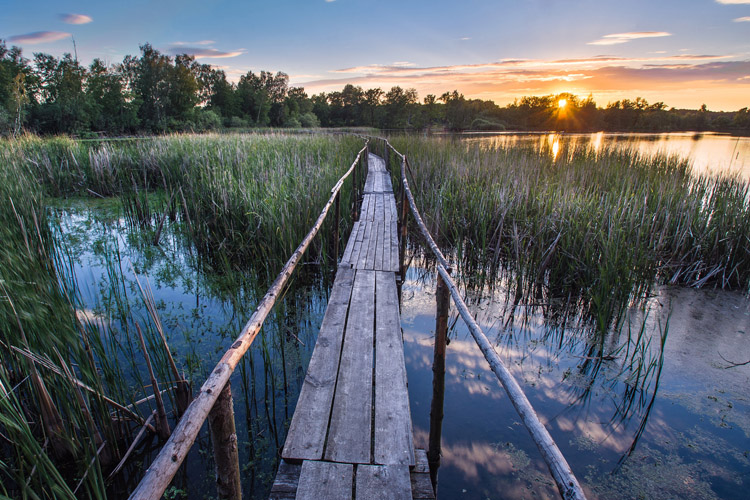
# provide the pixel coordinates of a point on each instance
(708, 152)
(202, 314)
(697, 432)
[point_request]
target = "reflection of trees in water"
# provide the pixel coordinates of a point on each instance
(202, 305)
(621, 352)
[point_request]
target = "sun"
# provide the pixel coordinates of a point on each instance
(562, 103)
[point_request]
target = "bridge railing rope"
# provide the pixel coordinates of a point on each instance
(566, 481)
(217, 387)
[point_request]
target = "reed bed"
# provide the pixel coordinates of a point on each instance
(249, 196)
(65, 379)
(586, 228)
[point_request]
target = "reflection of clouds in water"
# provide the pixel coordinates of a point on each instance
(582, 401)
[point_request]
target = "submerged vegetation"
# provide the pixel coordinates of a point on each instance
(69, 382)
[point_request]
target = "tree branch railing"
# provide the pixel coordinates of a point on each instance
(163, 469)
(566, 482)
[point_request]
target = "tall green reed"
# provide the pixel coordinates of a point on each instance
(590, 228)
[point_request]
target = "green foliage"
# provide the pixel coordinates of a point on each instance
(590, 228)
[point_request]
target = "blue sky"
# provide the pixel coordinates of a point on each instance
(684, 53)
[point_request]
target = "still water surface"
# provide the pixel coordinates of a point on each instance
(707, 152)
(664, 415)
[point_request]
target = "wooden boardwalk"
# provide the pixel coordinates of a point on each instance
(351, 433)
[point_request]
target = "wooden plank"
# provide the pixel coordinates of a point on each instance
(383, 482)
(366, 244)
(394, 248)
(350, 433)
(286, 482)
(327, 480)
(358, 243)
(422, 463)
(421, 484)
(378, 266)
(370, 259)
(350, 244)
(393, 433)
(307, 432)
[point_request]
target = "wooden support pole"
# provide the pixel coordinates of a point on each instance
(336, 220)
(443, 297)
(403, 229)
(224, 439)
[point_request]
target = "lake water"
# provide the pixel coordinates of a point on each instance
(708, 152)
(653, 419)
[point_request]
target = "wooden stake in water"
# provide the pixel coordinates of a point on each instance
(224, 439)
(443, 297)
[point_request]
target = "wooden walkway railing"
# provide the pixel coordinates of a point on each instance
(565, 480)
(215, 397)
(351, 433)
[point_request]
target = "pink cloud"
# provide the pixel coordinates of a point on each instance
(39, 37)
(75, 18)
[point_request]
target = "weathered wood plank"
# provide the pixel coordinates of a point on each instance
(383, 482)
(394, 248)
(421, 485)
(393, 433)
(350, 433)
(345, 259)
(367, 243)
(370, 260)
(381, 247)
(327, 480)
(307, 432)
(286, 482)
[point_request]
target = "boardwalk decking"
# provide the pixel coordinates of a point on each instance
(351, 433)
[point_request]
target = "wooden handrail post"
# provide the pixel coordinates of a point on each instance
(224, 439)
(336, 219)
(403, 230)
(443, 297)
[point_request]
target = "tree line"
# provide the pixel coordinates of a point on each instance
(157, 93)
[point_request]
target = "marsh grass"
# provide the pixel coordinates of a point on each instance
(591, 229)
(239, 202)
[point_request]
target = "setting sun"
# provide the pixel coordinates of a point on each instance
(562, 103)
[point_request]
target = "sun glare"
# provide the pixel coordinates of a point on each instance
(562, 103)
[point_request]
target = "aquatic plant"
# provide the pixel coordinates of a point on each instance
(592, 229)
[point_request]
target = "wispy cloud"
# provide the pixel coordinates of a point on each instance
(201, 42)
(396, 70)
(203, 52)
(745, 19)
(733, 2)
(39, 37)
(617, 38)
(75, 18)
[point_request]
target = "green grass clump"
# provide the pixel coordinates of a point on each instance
(592, 229)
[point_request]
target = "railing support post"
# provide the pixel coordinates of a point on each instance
(224, 438)
(336, 220)
(403, 230)
(443, 298)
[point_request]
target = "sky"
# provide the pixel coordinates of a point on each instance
(684, 53)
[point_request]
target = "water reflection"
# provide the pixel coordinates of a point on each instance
(202, 308)
(708, 152)
(647, 394)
